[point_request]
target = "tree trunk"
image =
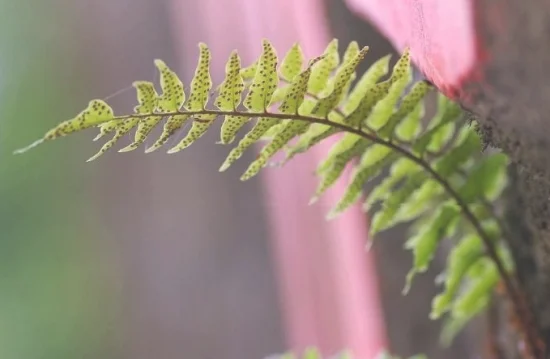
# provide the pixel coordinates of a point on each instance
(511, 101)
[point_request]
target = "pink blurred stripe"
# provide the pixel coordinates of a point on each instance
(328, 284)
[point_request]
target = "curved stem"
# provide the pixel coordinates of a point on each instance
(518, 303)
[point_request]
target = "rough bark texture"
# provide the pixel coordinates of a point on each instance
(511, 98)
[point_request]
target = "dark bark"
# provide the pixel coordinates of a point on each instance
(511, 100)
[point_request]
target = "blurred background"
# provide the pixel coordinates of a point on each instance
(156, 256)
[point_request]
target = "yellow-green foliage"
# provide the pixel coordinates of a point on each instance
(313, 353)
(436, 176)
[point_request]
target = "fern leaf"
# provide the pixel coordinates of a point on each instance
(96, 113)
(105, 129)
(372, 162)
(385, 216)
(248, 73)
(123, 127)
(262, 125)
(484, 177)
(147, 98)
(291, 104)
(467, 145)
(425, 242)
(402, 69)
(265, 80)
(366, 106)
(229, 98)
(279, 94)
(361, 100)
(311, 353)
(321, 71)
(171, 99)
(315, 134)
(351, 52)
(320, 132)
(230, 91)
(468, 250)
(295, 97)
(197, 130)
(399, 169)
(423, 199)
(270, 134)
(330, 176)
(230, 127)
(200, 89)
(296, 93)
(477, 294)
(148, 104)
(144, 128)
(406, 120)
(291, 129)
(442, 137)
(458, 155)
(291, 65)
(369, 79)
(172, 125)
(202, 82)
(347, 141)
(410, 127)
(173, 95)
(383, 110)
(342, 77)
(440, 127)
(147, 101)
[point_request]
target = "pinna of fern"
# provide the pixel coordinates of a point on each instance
(438, 180)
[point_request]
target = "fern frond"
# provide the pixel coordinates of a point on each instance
(438, 176)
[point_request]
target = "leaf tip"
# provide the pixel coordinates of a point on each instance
(128, 148)
(224, 166)
(247, 175)
(159, 63)
(27, 148)
(94, 157)
(173, 150)
(99, 135)
(332, 215)
(151, 149)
